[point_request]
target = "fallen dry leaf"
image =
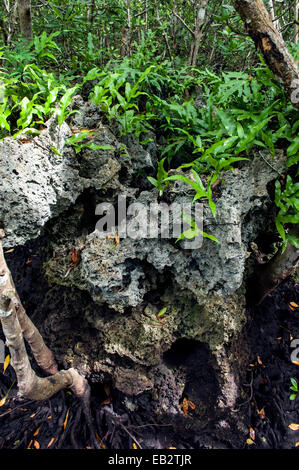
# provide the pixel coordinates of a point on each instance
(106, 402)
(185, 406)
(75, 256)
(252, 434)
(2, 402)
(191, 404)
(293, 304)
(36, 445)
(262, 413)
(36, 432)
(249, 442)
(294, 427)
(51, 442)
(66, 419)
(6, 363)
(102, 445)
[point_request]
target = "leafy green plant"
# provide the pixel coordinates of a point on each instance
(287, 201)
(293, 149)
(198, 186)
(5, 112)
(194, 231)
(162, 175)
(118, 98)
(77, 142)
(294, 388)
(63, 112)
(44, 45)
(162, 312)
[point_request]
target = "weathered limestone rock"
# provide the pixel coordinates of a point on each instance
(105, 306)
(37, 184)
(201, 289)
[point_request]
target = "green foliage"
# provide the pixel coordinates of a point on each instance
(207, 119)
(38, 51)
(162, 176)
(80, 140)
(118, 97)
(287, 201)
(294, 388)
(194, 231)
(197, 185)
(63, 112)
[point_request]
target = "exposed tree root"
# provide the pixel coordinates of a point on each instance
(16, 326)
(269, 276)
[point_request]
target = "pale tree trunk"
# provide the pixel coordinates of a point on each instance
(275, 21)
(270, 42)
(16, 326)
(199, 22)
(25, 19)
(9, 30)
(174, 26)
(296, 22)
(126, 32)
(164, 33)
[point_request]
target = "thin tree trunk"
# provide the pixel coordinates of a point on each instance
(146, 15)
(91, 11)
(164, 33)
(129, 32)
(296, 22)
(174, 26)
(12, 19)
(25, 19)
(270, 42)
(17, 326)
(199, 22)
(276, 22)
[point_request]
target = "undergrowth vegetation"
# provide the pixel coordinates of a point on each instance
(207, 122)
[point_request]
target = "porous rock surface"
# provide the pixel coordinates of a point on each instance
(101, 313)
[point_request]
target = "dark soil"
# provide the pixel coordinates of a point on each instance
(265, 406)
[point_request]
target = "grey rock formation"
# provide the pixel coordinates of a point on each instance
(37, 184)
(106, 305)
(204, 296)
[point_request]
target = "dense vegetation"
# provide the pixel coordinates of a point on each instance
(135, 60)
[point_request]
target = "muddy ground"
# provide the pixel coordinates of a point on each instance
(264, 405)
